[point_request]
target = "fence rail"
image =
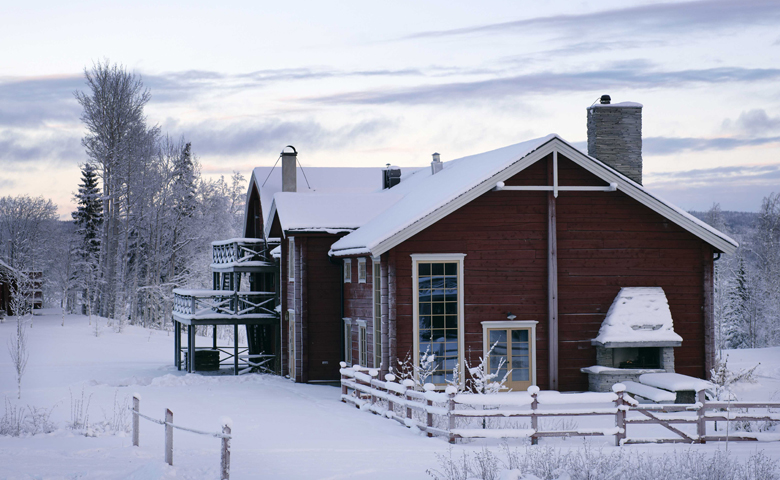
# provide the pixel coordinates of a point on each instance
(225, 436)
(437, 413)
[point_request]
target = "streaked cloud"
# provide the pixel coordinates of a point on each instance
(735, 187)
(665, 18)
(20, 150)
(243, 139)
(625, 75)
(672, 145)
(753, 122)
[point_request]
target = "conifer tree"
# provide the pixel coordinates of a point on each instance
(88, 218)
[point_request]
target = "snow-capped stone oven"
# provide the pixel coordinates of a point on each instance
(636, 337)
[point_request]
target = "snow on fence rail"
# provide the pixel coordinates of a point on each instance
(438, 413)
(169, 426)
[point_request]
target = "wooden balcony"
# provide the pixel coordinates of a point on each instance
(223, 307)
(241, 255)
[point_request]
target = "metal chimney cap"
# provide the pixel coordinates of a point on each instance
(436, 157)
(294, 152)
(605, 100)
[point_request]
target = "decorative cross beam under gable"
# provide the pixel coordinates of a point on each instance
(555, 188)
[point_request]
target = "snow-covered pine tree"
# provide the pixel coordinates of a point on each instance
(88, 218)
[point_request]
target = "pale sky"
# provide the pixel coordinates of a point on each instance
(365, 84)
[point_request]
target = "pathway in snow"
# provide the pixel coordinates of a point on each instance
(281, 430)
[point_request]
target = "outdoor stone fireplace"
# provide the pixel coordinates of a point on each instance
(636, 337)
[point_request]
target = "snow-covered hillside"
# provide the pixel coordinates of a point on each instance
(281, 430)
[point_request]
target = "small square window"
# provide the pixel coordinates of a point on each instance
(361, 270)
(347, 270)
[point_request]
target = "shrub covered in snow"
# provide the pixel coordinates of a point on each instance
(588, 463)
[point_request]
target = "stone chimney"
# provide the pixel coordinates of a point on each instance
(615, 136)
(289, 172)
(436, 164)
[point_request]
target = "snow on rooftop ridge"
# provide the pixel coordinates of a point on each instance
(639, 315)
(320, 179)
(620, 104)
(424, 193)
(329, 211)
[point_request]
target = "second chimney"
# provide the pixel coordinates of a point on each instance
(615, 136)
(289, 172)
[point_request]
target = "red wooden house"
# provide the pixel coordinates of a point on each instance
(523, 249)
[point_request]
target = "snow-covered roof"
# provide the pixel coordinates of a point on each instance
(5, 268)
(427, 198)
(346, 180)
(638, 315)
(327, 212)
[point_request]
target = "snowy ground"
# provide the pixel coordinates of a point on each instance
(281, 430)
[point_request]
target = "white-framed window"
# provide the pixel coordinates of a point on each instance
(362, 270)
(348, 340)
(438, 312)
(362, 344)
(514, 351)
(347, 270)
(291, 259)
(291, 343)
(377, 289)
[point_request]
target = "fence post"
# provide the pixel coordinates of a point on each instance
(408, 384)
(373, 373)
(620, 413)
(428, 387)
(701, 424)
(389, 377)
(168, 436)
(534, 391)
(136, 418)
(225, 464)
(344, 391)
(451, 392)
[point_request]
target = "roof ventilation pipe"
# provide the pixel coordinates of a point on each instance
(289, 172)
(391, 176)
(436, 164)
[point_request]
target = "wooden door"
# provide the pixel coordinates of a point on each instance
(512, 353)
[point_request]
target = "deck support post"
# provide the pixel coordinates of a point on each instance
(235, 349)
(214, 346)
(176, 345)
(190, 349)
(552, 279)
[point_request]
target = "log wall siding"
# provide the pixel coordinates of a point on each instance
(359, 305)
(605, 241)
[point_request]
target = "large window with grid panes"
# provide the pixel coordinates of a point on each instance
(438, 312)
(377, 289)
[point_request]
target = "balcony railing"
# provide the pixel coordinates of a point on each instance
(240, 252)
(189, 305)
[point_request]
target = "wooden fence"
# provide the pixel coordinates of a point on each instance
(225, 436)
(439, 413)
